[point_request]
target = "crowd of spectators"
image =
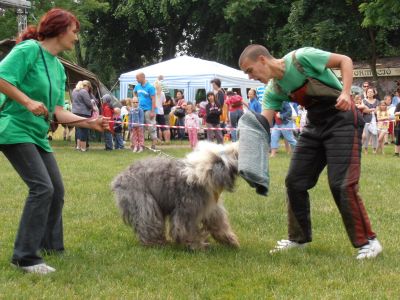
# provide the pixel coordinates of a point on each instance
(216, 117)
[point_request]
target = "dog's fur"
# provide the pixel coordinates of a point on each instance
(185, 190)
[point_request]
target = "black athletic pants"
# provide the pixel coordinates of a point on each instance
(332, 140)
(40, 226)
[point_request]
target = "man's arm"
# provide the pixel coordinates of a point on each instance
(346, 67)
(269, 115)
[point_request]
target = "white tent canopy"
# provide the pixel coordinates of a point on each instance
(189, 74)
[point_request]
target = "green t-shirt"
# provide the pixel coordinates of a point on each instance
(313, 62)
(24, 68)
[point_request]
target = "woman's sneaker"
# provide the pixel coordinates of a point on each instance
(42, 269)
(283, 245)
(370, 250)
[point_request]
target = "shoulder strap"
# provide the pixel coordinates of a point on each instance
(47, 73)
(297, 64)
(299, 68)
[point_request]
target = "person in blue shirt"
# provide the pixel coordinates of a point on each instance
(147, 102)
(254, 104)
(283, 121)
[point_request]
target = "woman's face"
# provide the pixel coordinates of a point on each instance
(382, 106)
(357, 99)
(211, 98)
(370, 93)
(179, 95)
(68, 39)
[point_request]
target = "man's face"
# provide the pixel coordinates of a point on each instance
(251, 94)
(365, 86)
(140, 78)
(258, 69)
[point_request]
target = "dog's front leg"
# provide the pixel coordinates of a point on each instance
(217, 223)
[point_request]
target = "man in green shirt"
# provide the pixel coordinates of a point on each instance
(331, 137)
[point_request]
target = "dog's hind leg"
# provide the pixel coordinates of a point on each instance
(217, 223)
(149, 221)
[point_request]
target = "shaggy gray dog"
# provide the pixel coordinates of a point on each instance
(185, 190)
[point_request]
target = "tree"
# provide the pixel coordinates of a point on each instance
(381, 13)
(335, 25)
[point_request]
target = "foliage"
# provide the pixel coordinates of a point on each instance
(8, 25)
(121, 35)
(382, 13)
(103, 259)
(335, 25)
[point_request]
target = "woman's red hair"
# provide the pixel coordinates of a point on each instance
(55, 22)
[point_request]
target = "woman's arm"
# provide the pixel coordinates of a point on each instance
(36, 107)
(66, 117)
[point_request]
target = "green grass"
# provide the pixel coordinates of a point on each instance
(104, 260)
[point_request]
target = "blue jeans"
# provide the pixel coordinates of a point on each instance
(181, 131)
(287, 135)
(234, 117)
(108, 138)
(118, 141)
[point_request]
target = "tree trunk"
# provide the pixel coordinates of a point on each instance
(372, 62)
(78, 52)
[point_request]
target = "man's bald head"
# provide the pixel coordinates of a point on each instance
(252, 52)
(140, 77)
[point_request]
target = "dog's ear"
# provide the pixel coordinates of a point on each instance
(223, 174)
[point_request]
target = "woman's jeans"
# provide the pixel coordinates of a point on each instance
(40, 227)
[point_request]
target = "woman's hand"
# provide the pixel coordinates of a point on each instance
(37, 108)
(100, 124)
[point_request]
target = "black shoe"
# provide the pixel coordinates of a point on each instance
(396, 154)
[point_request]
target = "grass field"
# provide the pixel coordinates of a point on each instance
(103, 259)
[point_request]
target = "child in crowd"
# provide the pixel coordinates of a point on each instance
(213, 112)
(192, 122)
(124, 117)
(357, 101)
(95, 109)
(383, 118)
(118, 140)
(397, 130)
(108, 111)
(68, 129)
(136, 118)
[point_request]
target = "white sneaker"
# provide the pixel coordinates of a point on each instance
(135, 149)
(140, 150)
(283, 245)
(370, 250)
(42, 269)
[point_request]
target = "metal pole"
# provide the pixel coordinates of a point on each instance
(22, 19)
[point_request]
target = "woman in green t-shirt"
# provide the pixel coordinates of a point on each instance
(32, 87)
